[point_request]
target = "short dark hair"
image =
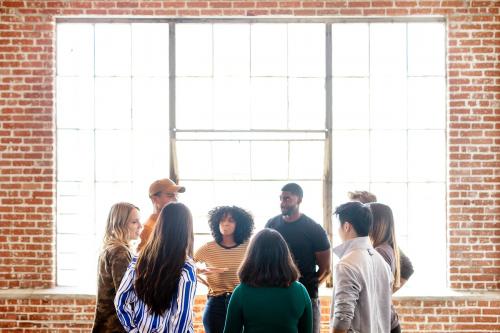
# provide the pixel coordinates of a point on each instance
(358, 215)
(243, 219)
(293, 188)
(268, 262)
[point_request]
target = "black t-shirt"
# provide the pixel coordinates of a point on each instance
(304, 238)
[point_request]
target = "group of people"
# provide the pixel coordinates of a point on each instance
(267, 282)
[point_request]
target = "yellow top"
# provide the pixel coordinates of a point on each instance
(214, 255)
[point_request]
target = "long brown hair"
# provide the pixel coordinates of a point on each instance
(268, 262)
(383, 231)
(116, 231)
(160, 263)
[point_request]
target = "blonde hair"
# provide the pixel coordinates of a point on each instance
(116, 232)
(362, 196)
(383, 231)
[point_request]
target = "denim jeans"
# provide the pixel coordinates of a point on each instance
(214, 316)
(316, 312)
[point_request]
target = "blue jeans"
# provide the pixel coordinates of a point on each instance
(214, 316)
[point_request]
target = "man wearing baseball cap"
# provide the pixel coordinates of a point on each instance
(161, 192)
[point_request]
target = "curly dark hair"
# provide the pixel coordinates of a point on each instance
(243, 219)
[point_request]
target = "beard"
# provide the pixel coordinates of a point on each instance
(287, 211)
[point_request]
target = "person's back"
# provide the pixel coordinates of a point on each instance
(270, 309)
(269, 298)
(373, 279)
(362, 279)
(157, 292)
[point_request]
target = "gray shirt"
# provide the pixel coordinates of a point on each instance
(362, 290)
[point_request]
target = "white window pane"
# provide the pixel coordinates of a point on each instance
(269, 160)
(395, 196)
(112, 49)
(150, 103)
(150, 155)
(426, 48)
(231, 49)
(199, 208)
(194, 112)
(77, 260)
(78, 202)
(388, 102)
(150, 49)
(306, 103)
(306, 50)
(75, 102)
(231, 103)
(350, 49)
(350, 156)
(74, 223)
(269, 49)
(75, 155)
(426, 156)
(75, 207)
(427, 220)
(194, 159)
(306, 159)
(107, 194)
(427, 103)
(265, 201)
(350, 103)
(112, 103)
(387, 49)
(113, 155)
(231, 159)
(75, 49)
(233, 193)
(193, 48)
(312, 202)
(269, 103)
(140, 191)
(388, 156)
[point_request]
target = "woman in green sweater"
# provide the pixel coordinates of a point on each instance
(269, 298)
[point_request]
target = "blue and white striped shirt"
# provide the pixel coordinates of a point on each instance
(135, 316)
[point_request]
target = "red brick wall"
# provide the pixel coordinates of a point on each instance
(61, 314)
(27, 157)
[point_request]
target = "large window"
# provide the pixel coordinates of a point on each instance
(248, 107)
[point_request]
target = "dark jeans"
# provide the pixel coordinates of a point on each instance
(396, 329)
(214, 316)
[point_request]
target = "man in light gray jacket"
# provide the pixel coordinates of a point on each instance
(362, 279)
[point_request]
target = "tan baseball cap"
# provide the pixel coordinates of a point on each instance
(165, 185)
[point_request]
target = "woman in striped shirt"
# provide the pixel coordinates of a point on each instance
(157, 291)
(231, 228)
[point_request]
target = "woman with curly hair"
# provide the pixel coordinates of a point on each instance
(231, 228)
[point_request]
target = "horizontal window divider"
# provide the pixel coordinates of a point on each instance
(326, 20)
(252, 180)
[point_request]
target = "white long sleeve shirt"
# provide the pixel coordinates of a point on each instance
(362, 289)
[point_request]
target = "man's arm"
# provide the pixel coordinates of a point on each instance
(323, 259)
(345, 297)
